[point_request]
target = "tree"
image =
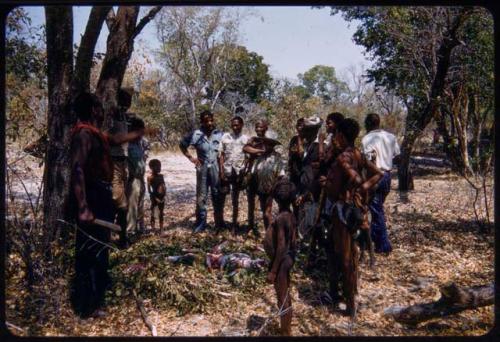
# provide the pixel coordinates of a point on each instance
(322, 81)
(412, 49)
(196, 46)
(64, 82)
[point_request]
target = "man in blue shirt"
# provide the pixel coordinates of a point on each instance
(207, 142)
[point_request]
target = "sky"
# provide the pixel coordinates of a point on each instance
(291, 39)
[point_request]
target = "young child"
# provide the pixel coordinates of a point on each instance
(280, 246)
(157, 191)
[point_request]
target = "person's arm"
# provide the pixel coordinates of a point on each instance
(120, 138)
(80, 147)
(374, 176)
(397, 153)
(280, 250)
(149, 180)
(221, 160)
(183, 145)
(250, 149)
(346, 166)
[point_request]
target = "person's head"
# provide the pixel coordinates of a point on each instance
(88, 108)
(284, 192)
(125, 99)
(372, 121)
(237, 124)
(207, 121)
(155, 166)
(261, 127)
(332, 121)
(299, 125)
(347, 132)
(136, 124)
(311, 127)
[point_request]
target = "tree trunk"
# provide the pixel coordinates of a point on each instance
(453, 300)
(60, 119)
(85, 55)
(120, 46)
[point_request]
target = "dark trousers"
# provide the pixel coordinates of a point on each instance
(378, 226)
(91, 255)
(232, 184)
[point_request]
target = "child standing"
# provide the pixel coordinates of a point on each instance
(280, 246)
(157, 191)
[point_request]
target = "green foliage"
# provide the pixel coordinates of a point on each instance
(322, 81)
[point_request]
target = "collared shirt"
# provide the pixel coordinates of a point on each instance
(383, 145)
(232, 146)
(207, 148)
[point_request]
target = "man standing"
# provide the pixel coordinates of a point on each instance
(381, 147)
(118, 139)
(207, 142)
(91, 198)
(232, 165)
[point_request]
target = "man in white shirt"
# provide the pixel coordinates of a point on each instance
(232, 164)
(381, 147)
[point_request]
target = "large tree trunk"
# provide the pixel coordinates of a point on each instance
(60, 119)
(453, 300)
(120, 46)
(85, 55)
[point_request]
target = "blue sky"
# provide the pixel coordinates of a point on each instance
(291, 39)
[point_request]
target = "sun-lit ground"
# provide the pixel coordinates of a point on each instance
(433, 233)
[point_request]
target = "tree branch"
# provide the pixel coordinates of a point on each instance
(87, 46)
(145, 20)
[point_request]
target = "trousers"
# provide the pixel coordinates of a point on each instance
(378, 225)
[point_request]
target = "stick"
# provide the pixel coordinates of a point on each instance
(106, 224)
(145, 317)
(14, 326)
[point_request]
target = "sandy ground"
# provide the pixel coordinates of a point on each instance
(434, 238)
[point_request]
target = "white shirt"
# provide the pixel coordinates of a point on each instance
(382, 145)
(232, 147)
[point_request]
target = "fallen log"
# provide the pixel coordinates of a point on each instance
(453, 300)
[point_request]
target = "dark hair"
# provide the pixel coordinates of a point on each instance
(154, 164)
(136, 123)
(124, 98)
(336, 117)
(349, 129)
(206, 113)
(300, 120)
(84, 105)
(372, 121)
(284, 191)
(238, 118)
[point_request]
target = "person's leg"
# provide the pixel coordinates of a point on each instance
(378, 226)
(201, 198)
(266, 212)
(282, 287)
(133, 205)
(161, 207)
(214, 184)
(140, 210)
(333, 265)
(153, 206)
(235, 194)
(119, 187)
(251, 205)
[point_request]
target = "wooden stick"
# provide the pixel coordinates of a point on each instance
(144, 315)
(109, 225)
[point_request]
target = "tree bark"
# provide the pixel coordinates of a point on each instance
(120, 45)
(85, 55)
(59, 30)
(414, 128)
(453, 300)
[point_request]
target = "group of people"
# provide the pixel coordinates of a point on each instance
(107, 187)
(325, 192)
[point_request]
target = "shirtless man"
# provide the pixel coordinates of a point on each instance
(280, 246)
(344, 185)
(91, 197)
